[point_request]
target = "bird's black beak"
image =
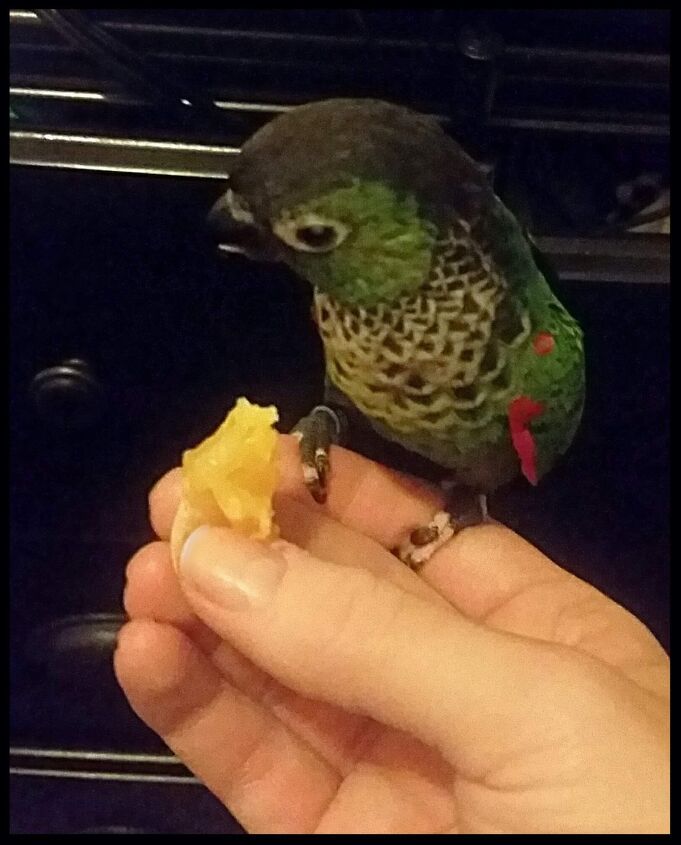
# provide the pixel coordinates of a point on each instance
(238, 237)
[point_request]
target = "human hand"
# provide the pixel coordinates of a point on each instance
(318, 685)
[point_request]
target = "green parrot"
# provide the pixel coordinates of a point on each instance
(439, 328)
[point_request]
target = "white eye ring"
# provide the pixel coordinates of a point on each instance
(238, 208)
(310, 232)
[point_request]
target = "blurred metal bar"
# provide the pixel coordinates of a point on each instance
(110, 756)
(639, 259)
(591, 127)
(23, 15)
(120, 155)
(115, 776)
(125, 100)
(98, 765)
(60, 94)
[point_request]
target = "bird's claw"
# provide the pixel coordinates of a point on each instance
(315, 475)
(424, 541)
(316, 433)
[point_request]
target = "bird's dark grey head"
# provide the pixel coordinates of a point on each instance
(332, 144)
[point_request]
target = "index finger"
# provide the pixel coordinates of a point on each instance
(363, 495)
(478, 570)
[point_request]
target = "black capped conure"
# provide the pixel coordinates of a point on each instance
(439, 328)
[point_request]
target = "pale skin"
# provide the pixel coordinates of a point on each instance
(319, 686)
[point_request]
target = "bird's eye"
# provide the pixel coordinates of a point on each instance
(317, 236)
(310, 232)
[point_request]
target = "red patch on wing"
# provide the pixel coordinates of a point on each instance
(521, 411)
(543, 343)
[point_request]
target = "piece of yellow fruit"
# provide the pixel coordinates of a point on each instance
(230, 478)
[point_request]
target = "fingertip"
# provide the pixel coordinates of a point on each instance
(140, 570)
(164, 500)
(147, 559)
(151, 658)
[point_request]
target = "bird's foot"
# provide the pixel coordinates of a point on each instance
(316, 433)
(424, 541)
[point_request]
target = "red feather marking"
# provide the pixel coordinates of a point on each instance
(543, 343)
(521, 411)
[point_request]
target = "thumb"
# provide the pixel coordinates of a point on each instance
(346, 636)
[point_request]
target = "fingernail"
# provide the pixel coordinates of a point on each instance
(229, 570)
